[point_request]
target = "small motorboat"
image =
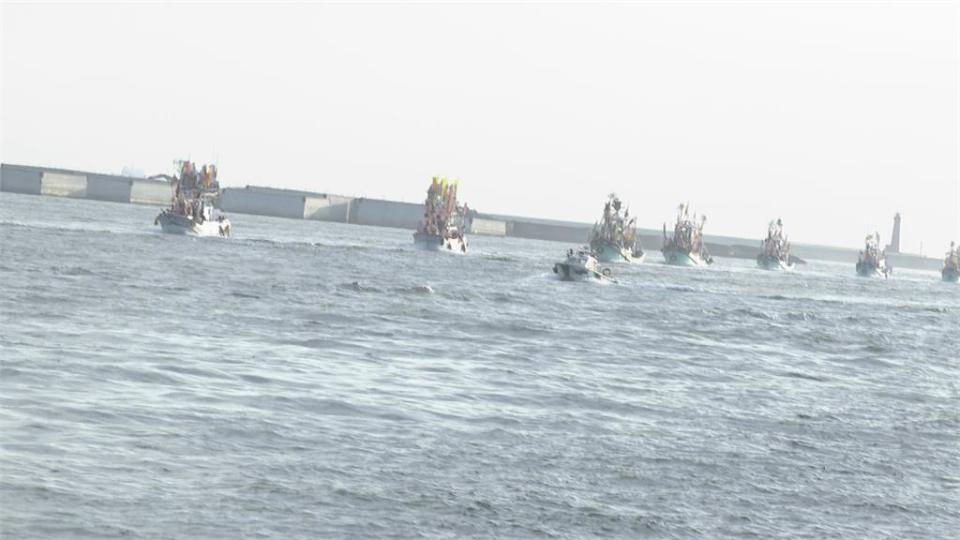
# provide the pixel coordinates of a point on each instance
(581, 265)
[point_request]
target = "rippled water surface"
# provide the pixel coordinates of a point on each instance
(307, 379)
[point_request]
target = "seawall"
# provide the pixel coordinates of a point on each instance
(83, 185)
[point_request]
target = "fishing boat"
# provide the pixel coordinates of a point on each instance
(776, 249)
(191, 210)
(581, 265)
(951, 265)
(444, 222)
(614, 238)
(685, 247)
(873, 261)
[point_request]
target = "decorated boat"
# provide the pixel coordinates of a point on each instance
(444, 221)
(581, 265)
(191, 211)
(685, 247)
(873, 261)
(776, 249)
(951, 265)
(614, 238)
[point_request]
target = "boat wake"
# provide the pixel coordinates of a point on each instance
(412, 289)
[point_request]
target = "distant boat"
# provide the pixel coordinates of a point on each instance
(581, 265)
(873, 261)
(614, 238)
(951, 265)
(685, 247)
(191, 211)
(443, 224)
(776, 249)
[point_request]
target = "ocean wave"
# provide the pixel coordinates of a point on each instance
(318, 380)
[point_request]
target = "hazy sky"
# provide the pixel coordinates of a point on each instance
(832, 117)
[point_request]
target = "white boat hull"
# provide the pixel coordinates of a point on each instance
(873, 271)
(576, 272)
(176, 224)
(435, 242)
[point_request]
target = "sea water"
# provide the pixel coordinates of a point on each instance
(321, 380)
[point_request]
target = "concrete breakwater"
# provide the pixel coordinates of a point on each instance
(293, 204)
(83, 185)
